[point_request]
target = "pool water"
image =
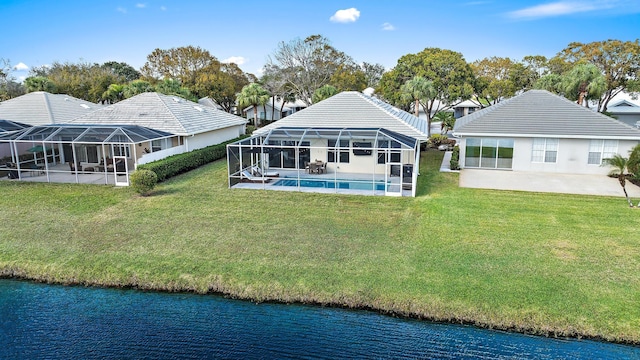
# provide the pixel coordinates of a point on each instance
(332, 184)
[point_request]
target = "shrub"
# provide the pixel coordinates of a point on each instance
(454, 164)
(181, 163)
(143, 181)
(436, 140)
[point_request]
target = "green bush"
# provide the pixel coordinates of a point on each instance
(455, 159)
(181, 163)
(143, 181)
(436, 140)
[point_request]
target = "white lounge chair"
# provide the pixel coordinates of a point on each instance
(246, 176)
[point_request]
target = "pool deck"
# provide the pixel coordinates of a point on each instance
(293, 175)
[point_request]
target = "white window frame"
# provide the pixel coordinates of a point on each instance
(604, 149)
(543, 149)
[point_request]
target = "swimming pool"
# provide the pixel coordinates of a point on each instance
(331, 184)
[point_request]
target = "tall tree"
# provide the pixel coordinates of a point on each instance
(493, 80)
(9, 88)
(182, 63)
(619, 62)
(113, 94)
(173, 87)
(323, 93)
(583, 83)
(372, 73)
(39, 83)
(306, 65)
(220, 83)
(136, 87)
(348, 77)
(123, 70)
(450, 74)
(253, 95)
(417, 90)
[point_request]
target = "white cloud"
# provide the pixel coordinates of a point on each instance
(121, 9)
(163, 8)
(560, 8)
(388, 27)
(238, 60)
(345, 16)
(21, 67)
(141, 5)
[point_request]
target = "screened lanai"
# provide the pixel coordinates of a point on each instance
(371, 161)
(101, 154)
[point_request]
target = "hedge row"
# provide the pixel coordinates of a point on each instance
(181, 163)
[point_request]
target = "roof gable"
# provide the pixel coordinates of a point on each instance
(541, 113)
(43, 108)
(166, 113)
(352, 109)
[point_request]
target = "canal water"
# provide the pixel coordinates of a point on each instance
(56, 322)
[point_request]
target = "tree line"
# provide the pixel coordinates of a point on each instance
(311, 70)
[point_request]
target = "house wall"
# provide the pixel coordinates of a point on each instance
(629, 119)
(202, 140)
(572, 156)
(357, 163)
(276, 113)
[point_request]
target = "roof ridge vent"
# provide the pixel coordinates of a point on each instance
(198, 108)
(85, 106)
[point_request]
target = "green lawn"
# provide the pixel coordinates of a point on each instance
(544, 263)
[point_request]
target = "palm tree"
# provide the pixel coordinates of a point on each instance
(416, 90)
(446, 119)
(619, 165)
(323, 93)
(253, 95)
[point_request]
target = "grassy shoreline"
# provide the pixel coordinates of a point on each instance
(546, 264)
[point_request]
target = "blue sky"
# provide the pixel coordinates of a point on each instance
(40, 32)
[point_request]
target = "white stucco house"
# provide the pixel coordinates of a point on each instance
(349, 142)
(538, 131)
(43, 108)
(106, 144)
(274, 109)
(625, 111)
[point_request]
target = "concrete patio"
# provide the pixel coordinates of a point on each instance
(545, 182)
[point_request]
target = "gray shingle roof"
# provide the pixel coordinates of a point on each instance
(539, 113)
(167, 113)
(352, 109)
(43, 108)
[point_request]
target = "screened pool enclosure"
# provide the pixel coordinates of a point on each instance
(371, 161)
(100, 154)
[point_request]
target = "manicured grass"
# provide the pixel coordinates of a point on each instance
(543, 263)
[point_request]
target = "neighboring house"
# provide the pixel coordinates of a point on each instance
(356, 139)
(542, 132)
(138, 130)
(195, 126)
(465, 108)
(275, 112)
(625, 111)
(207, 101)
(43, 108)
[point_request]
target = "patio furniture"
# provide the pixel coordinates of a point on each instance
(322, 168)
(258, 172)
(73, 167)
(247, 177)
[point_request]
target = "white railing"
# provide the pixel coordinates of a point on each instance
(158, 155)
